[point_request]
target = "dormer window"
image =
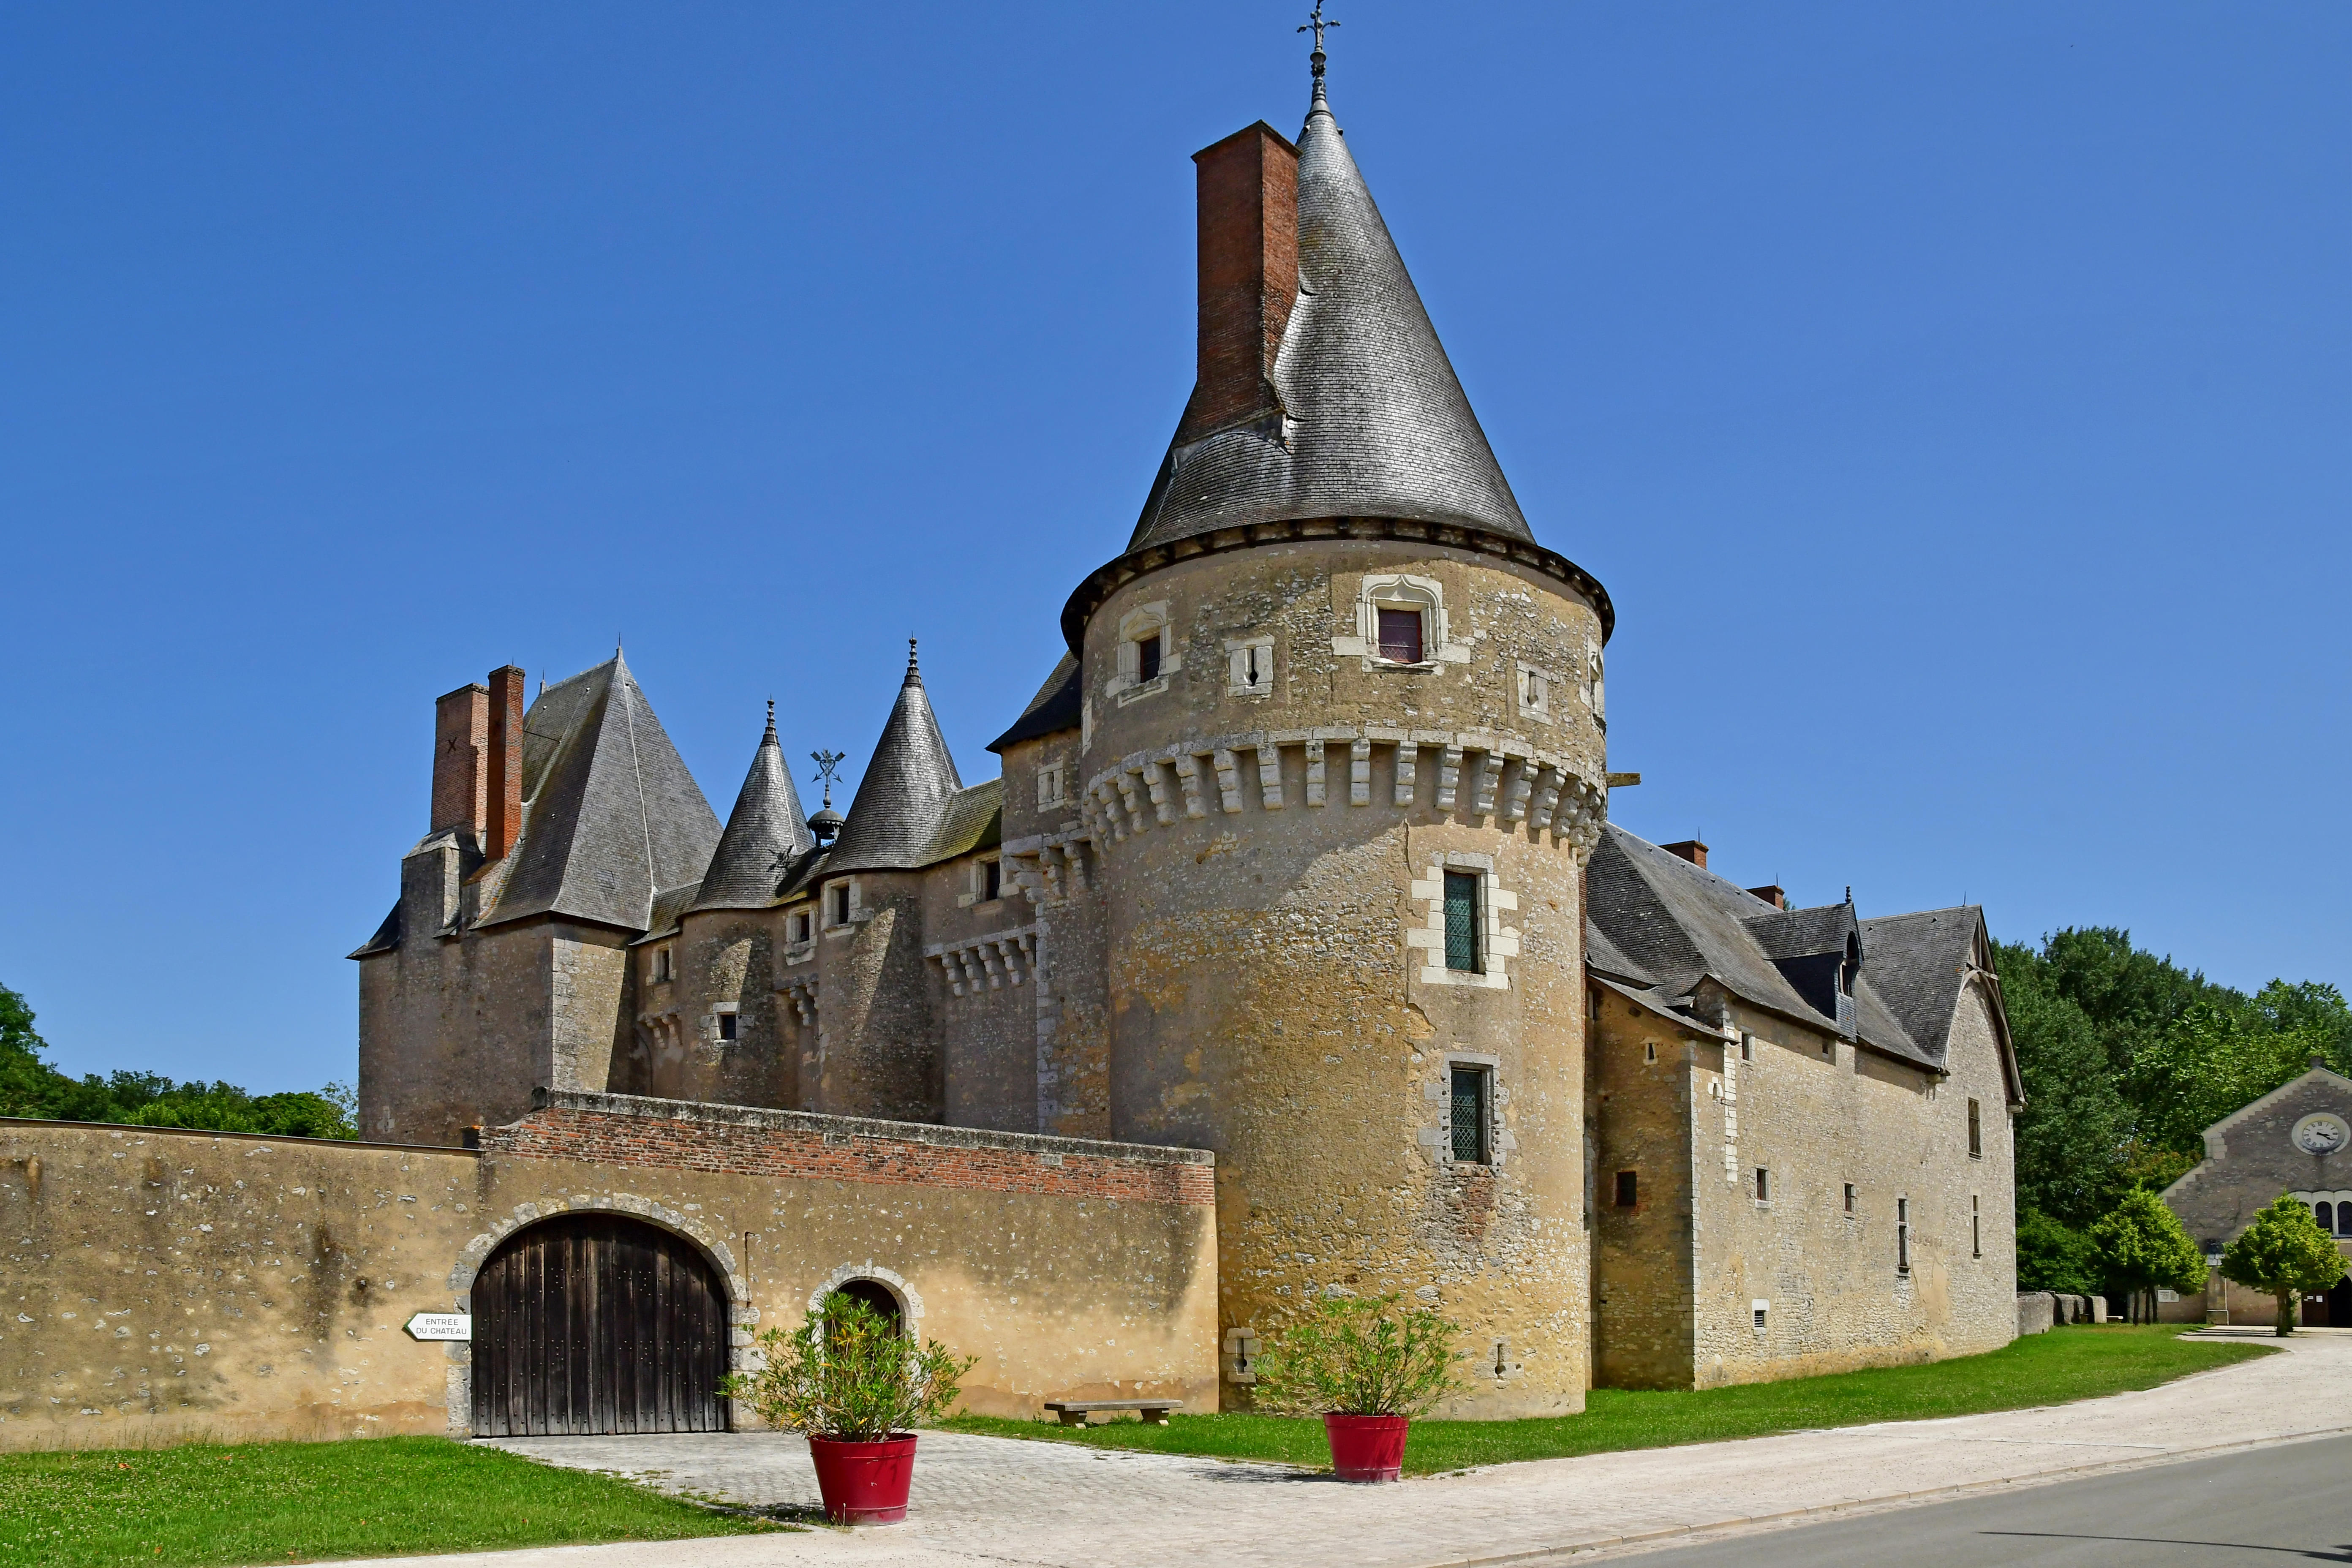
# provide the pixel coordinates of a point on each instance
(1400, 629)
(1399, 624)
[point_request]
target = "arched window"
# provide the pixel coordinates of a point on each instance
(2325, 1212)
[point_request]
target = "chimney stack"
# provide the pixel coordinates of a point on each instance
(461, 746)
(1690, 849)
(1248, 231)
(504, 790)
(1771, 893)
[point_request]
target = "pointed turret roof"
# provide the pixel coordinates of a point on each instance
(1376, 423)
(766, 835)
(904, 795)
(610, 813)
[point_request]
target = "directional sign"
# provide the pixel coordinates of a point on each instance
(440, 1326)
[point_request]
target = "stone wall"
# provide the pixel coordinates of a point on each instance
(1273, 857)
(161, 1285)
(1684, 1276)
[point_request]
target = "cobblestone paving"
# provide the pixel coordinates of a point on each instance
(990, 1501)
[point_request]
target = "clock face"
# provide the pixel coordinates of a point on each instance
(2322, 1134)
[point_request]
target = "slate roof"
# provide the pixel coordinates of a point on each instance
(903, 798)
(974, 819)
(1657, 916)
(1055, 708)
(1374, 421)
(1920, 963)
(766, 835)
(610, 813)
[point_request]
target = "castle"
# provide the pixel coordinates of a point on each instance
(1300, 857)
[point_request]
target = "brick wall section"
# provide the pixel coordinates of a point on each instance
(624, 1132)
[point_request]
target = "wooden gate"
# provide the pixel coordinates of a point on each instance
(597, 1322)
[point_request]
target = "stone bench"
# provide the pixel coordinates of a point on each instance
(1074, 1412)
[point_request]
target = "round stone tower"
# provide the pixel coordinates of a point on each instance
(1343, 764)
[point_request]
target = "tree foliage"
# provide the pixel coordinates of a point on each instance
(849, 1373)
(1360, 1356)
(2284, 1253)
(2143, 1248)
(2127, 1058)
(29, 1085)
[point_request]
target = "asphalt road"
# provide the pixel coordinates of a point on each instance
(2282, 1505)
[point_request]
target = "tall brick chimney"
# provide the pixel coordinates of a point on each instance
(1248, 205)
(503, 795)
(461, 745)
(1690, 849)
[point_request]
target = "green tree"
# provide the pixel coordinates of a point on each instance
(2071, 1135)
(2142, 1249)
(2286, 1255)
(2051, 1256)
(29, 1085)
(2211, 1061)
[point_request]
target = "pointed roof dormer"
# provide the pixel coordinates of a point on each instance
(904, 795)
(766, 835)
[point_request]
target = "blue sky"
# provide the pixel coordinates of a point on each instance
(1957, 403)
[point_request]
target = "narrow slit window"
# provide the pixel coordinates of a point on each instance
(992, 885)
(1903, 1235)
(1975, 1229)
(1629, 1189)
(1473, 1103)
(841, 905)
(1147, 658)
(1763, 1185)
(1976, 1132)
(1400, 634)
(1747, 1047)
(1849, 1197)
(1462, 945)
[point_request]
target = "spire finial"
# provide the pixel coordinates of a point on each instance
(914, 669)
(769, 737)
(1316, 23)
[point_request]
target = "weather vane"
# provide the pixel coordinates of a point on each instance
(828, 764)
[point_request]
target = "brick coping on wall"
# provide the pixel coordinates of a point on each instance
(7, 1121)
(631, 1129)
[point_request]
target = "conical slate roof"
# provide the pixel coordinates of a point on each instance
(765, 836)
(905, 792)
(1375, 424)
(610, 813)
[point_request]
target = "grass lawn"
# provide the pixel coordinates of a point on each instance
(2076, 1362)
(296, 1502)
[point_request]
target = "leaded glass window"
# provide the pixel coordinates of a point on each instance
(1462, 920)
(1471, 1099)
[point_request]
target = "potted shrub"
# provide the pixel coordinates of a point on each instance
(1367, 1366)
(855, 1386)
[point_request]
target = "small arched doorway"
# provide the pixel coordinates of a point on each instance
(592, 1323)
(878, 1296)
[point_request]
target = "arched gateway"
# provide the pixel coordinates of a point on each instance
(597, 1322)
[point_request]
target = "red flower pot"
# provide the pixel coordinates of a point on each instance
(1366, 1447)
(863, 1483)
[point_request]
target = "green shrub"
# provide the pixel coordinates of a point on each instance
(1360, 1356)
(848, 1373)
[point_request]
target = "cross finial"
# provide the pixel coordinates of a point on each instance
(1315, 24)
(827, 762)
